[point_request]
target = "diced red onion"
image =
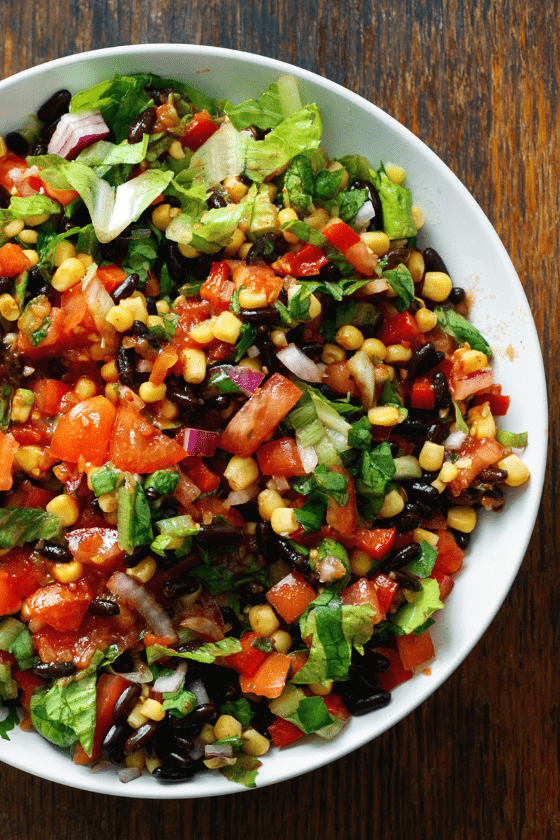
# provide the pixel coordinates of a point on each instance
(77, 131)
(362, 368)
(308, 457)
(140, 675)
(172, 682)
(198, 689)
(330, 568)
(218, 751)
(247, 380)
(99, 766)
(297, 362)
(241, 497)
(253, 352)
(200, 442)
(135, 593)
(455, 440)
(374, 287)
(128, 774)
(281, 483)
(19, 179)
(186, 491)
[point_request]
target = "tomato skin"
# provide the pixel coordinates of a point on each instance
(258, 279)
(445, 583)
(415, 650)
(59, 606)
(396, 674)
(401, 329)
(303, 263)
(8, 447)
(343, 519)
(340, 235)
(259, 416)
(97, 547)
(7, 163)
(362, 258)
(28, 495)
(499, 403)
(204, 478)
(338, 377)
(84, 432)
(386, 590)
(137, 446)
(280, 457)
(270, 677)
(284, 732)
(482, 453)
(12, 260)
(109, 689)
(198, 130)
(450, 556)
(336, 706)
(291, 596)
(249, 658)
(111, 276)
(48, 395)
(217, 289)
(377, 542)
(191, 312)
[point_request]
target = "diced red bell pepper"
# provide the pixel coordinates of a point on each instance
(109, 689)
(336, 706)
(364, 591)
(396, 674)
(291, 596)
(303, 263)
(284, 732)
(499, 403)
(111, 276)
(249, 658)
(198, 130)
(401, 329)
(423, 395)
(415, 650)
(8, 447)
(340, 234)
(28, 682)
(270, 677)
(377, 542)
(217, 289)
(445, 583)
(343, 518)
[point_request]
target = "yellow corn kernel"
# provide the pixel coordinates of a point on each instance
(227, 327)
(278, 338)
(64, 251)
(462, 518)
(349, 337)
(321, 689)
(244, 250)
(315, 307)
(188, 251)
(227, 727)
(281, 640)
(263, 620)
(439, 485)
(66, 508)
(207, 734)
(136, 719)
(360, 563)
(137, 308)
(176, 151)
(237, 240)
(85, 388)
(120, 318)
(152, 393)
(9, 307)
(86, 259)
(112, 392)
(269, 501)
(431, 456)
(194, 365)
(137, 760)
(397, 354)
(241, 472)
(153, 709)
(393, 504)
(145, 570)
(517, 470)
(333, 353)
(109, 502)
(67, 572)
(252, 364)
(377, 241)
(395, 173)
(162, 307)
(425, 319)
(155, 321)
(318, 219)
(481, 422)
(252, 300)
(288, 215)
(163, 215)
(385, 415)
(374, 348)
(437, 286)
(38, 219)
(254, 743)
(3, 148)
(236, 188)
(448, 472)
(32, 256)
(420, 535)
(28, 236)
(13, 228)
(418, 218)
(473, 360)
(336, 167)
(29, 459)
(68, 274)
(22, 403)
(109, 371)
(416, 265)
(283, 521)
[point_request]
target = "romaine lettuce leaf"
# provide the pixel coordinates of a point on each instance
(15, 638)
(206, 653)
(32, 205)
(264, 112)
(517, 441)
(329, 655)
(134, 520)
(396, 201)
(21, 525)
(9, 722)
(120, 100)
(411, 616)
(400, 280)
(104, 153)
(461, 330)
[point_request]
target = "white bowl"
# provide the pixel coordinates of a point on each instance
(459, 230)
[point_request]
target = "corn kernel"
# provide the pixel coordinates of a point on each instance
(395, 173)
(152, 764)
(281, 640)
(137, 760)
(377, 241)
(315, 307)
(385, 415)
(374, 348)
(349, 337)
(233, 246)
(420, 535)
(207, 734)
(85, 388)
(252, 300)
(244, 250)
(3, 148)
(109, 502)
(194, 365)
(268, 501)
(517, 470)
(227, 327)
(68, 274)
(153, 709)
(152, 393)
(13, 228)
(241, 472)
(109, 371)
(288, 215)
(9, 307)
(136, 305)
(360, 563)
(462, 518)
(254, 743)
(162, 307)
(163, 215)
(431, 456)
(32, 256)
(448, 472)
(252, 364)
(227, 727)
(66, 508)
(416, 265)
(64, 251)
(393, 504)
(425, 319)
(283, 521)
(481, 422)
(112, 392)
(278, 338)
(473, 360)
(120, 318)
(263, 620)
(418, 218)
(145, 570)
(188, 251)
(86, 259)
(136, 719)
(397, 354)
(22, 403)
(236, 188)
(67, 572)
(321, 689)
(437, 286)
(176, 150)
(37, 219)
(333, 353)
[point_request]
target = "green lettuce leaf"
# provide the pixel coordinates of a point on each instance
(15, 638)
(264, 112)
(9, 722)
(32, 205)
(120, 100)
(400, 280)
(134, 520)
(206, 653)
(239, 709)
(179, 703)
(244, 771)
(21, 525)
(357, 624)
(461, 330)
(516, 441)
(104, 154)
(411, 616)
(329, 655)
(310, 714)
(396, 201)
(298, 184)
(425, 562)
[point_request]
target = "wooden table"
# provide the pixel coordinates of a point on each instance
(478, 82)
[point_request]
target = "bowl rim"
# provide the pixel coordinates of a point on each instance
(334, 749)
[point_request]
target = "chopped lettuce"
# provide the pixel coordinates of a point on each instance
(461, 330)
(396, 201)
(206, 653)
(264, 112)
(239, 709)
(425, 562)
(15, 638)
(134, 521)
(329, 655)
(516, 441)
(164, 482)
(32, 205)
(8, 686)
(179, 703)
(21, 525)
(400, 280)
(357, 624)
(216, 228)
(298, 184)
(411, 616)
(120, 100)
(105, 479)
(104, 154)
(310, 714)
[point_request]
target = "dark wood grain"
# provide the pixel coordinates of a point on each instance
(479, 83)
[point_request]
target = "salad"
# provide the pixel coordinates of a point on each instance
(246, 429)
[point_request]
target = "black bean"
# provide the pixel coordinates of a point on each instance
(123, 664)
(369, 703)
(184, 398)
(182, 742)
(48, 130)
(16, 143)
(463, 540)
(125, 288)
(143, 124)
(115, 737)
(219, 533)
(394, 448)
(329, 272)
(6, 284)
(435, 432)
(125, 361)
(491, 475)
(406, 580)
(143, 735)
(174, 774)
(266, 541)
(175, 262)
(433, 261)
(313, 349)
(297, 561)
(141, 331)
(422, 491)
(55, 552)
(442, 394)
(151, 494)
(159, 95)
(407, 520)
(54, 670)
(5, 197)
(55, 106)
(244, 179)
(399, 557)
(230, 617)
(218, 402)
(177, 759)
(374, 661)
(215, 200)
(131, 560)
(103, 607)
(259, 316)
(127, 701)
(362, 184)
(412, 427)
(422, 360)
(203, 713)
(395, 257)
(267, 353)
(39, 149)
(151, 305)
(456, 295)
(177, 587)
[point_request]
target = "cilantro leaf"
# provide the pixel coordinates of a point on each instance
(422, 565)
(461, 330)
(10, 721)
(400, 280)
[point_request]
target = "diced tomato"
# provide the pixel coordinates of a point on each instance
(423, 395)
(8, 448)
(280, 457)
(304, 263)
(19, 577)
(362, 258)
(28, 682)
(204, 478)
(401, 329)
(217, 289)
(198, 130)
(364, 591)
(63, 197)
(386, 590)
(284, 732)
(191, 312)
(450, 556)
(270, 677)
(11, 163)
(339, 378)
(109, 689)
(29, 495)
(249, 658)
(259, 416)
(259, 279)
(12, 260)
(396, 674)
(95, 546)
(291, 596)
(137, 446)
(84, 432)
(415, 650)
(48, 395)
(462, 386)
(340, 235)
(377, 542)
(163, 362)
(499, 403)
(59, 606)
(336, 706)
(343, 518)
(445, 582)
(111, 276)
(481, 453)
(217, 507)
